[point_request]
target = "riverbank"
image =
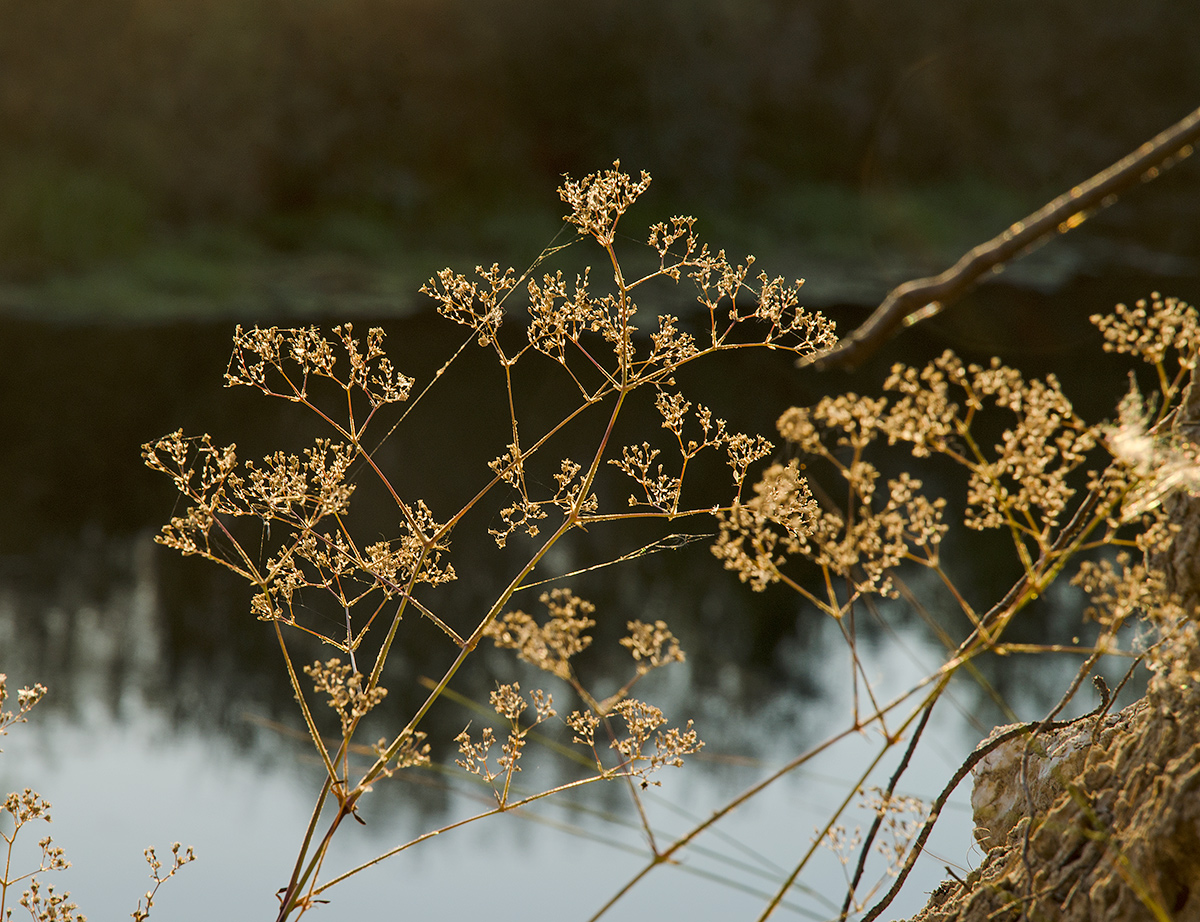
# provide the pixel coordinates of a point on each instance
(850, 246)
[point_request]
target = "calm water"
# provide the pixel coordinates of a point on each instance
(170, 718)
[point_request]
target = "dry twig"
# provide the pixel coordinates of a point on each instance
(923, 298)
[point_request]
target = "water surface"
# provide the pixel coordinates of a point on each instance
(169, 716)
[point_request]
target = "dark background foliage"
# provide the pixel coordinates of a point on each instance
(127, 119)
(201, 161)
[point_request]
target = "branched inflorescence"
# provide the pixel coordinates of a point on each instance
(1030, 480)
(21, 808)
(1024, 482)
(284, 523)
(550, 645)
(28, 806)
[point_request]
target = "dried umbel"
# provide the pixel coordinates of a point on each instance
(1112, 525)
(478, 759)
(179, 858)
(1023, 483)
(644, 747)
(283, 363)
(548, 646)
(599, 200)
(551, 646)
(348, 695)
(1153, 329)
(27, 699)
(285, 525)
(651, 645)
(28, 806)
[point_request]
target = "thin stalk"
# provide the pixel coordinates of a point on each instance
(313, 732)
(758, 788)
(571, 785)
(926, 712)
(781, 892)
(309, 831)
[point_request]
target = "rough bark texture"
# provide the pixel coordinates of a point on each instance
(1104, 822)
(1181, 563)
(1114, 828)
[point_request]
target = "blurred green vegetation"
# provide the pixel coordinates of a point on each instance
(223, 153)
(55, 214)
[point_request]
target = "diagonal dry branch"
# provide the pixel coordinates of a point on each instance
(928, 296)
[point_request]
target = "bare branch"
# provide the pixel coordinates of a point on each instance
(921, 298)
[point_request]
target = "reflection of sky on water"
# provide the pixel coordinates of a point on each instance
(152, 669)
(123, 774)
(121, 781)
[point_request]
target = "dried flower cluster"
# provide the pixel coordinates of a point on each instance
(642, 722)
(179, 857)
(661, 490)
(28, 806)
(27, 699)
(652, 645)
(22, 808)
(50, 906)
(413, 752)
(599, 200)
(550, 647)
(901, 818)
(347, 695)
(283, 525)
(1152, 329)
(475, 757)
(283, 363)
(1023, 483)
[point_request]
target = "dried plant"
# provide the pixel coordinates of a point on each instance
(178, 860)
(1065, 491)
(284, 525)
(28, 807)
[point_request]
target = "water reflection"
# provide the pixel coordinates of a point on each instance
(133, 751)
(169, 717)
